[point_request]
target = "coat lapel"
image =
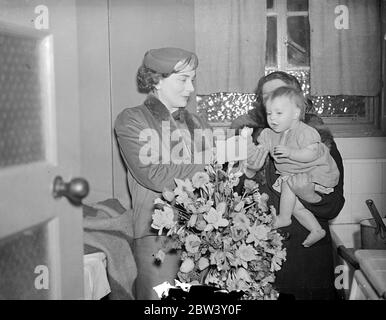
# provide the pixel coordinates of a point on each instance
(161, 113)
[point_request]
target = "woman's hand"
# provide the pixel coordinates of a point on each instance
(301, 185)
(255, 161)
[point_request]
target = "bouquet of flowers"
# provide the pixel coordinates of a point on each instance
(227, 240)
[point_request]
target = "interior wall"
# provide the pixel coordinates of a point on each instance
(113, 36)
(94, 100)
(135, 27)
(383, 97)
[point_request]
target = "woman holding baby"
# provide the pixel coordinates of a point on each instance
(300, 168)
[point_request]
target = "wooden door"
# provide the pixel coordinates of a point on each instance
(41, 240)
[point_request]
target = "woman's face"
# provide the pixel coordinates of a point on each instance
(271, 86)
(175, 90)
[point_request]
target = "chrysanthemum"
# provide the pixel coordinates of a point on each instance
(246, 253)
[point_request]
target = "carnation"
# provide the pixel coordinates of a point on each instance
(192, 243)
(237, 233)
(163, 219)
(200, 179)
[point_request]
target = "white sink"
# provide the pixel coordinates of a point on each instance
(353, 279)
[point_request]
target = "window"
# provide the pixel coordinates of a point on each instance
(288, 49)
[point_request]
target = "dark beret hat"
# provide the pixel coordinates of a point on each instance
(163, 60)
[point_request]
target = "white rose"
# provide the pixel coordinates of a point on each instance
(187, 265)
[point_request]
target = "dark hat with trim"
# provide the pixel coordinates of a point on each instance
(164, 60)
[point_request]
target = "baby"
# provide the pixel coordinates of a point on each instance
(296, 148)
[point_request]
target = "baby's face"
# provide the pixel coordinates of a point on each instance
(282, 113)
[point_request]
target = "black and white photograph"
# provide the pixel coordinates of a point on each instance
(197, 155)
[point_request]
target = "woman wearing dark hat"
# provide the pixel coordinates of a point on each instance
(167, 75)
(308, 272)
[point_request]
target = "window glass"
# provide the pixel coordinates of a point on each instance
(298, 41)
(294, 58)
(297, 5)
(271, 46)
(21, 101)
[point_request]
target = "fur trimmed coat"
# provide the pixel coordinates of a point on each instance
(147, 180)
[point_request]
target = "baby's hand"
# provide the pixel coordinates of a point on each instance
(281, 152)
(246, 132)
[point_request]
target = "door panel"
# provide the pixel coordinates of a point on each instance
(40, 115)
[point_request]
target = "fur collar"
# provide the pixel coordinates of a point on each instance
(161, 113)
(157, 108)
(325, 135)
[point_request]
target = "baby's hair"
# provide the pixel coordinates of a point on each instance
(295, 95)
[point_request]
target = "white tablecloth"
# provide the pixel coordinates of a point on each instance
(96, 284)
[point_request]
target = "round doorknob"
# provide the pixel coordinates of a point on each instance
(75, 190)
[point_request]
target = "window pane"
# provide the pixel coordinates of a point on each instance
(269, 4)
(298, 45)
(21, 253)
(297, 5)
(271, 46)
(21, 113)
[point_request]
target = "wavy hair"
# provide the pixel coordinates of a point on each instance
(147, 78)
